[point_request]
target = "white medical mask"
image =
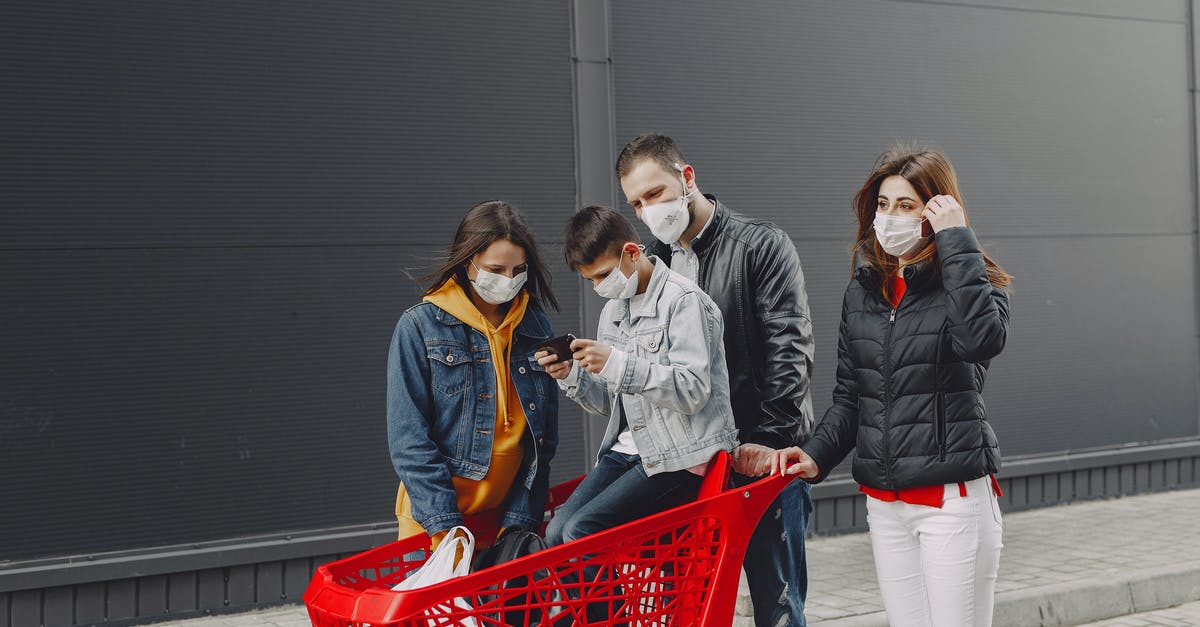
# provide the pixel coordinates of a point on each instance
(668, 220)
(497, 289)
(617, 286)
(898, 235)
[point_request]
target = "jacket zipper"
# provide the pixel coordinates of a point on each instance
(887, 394)
(941, 427)
(939, 398)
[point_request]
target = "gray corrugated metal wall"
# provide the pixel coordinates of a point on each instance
(210, 214)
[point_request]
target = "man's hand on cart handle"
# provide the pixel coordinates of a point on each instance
(753, 460)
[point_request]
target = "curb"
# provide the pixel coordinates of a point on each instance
(1082, 601)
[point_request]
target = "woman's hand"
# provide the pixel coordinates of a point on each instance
(556, 369)
(944, 212)
(794, 461)
(591, 355)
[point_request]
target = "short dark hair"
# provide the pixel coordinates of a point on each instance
(649, 146)
(594, 232)
(485, 223)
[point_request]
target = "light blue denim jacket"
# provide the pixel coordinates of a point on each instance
(675, 381)
(441, 411)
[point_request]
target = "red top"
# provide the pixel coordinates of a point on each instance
(930, 495)
(898, 289)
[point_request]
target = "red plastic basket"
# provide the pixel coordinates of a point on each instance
(678, 567)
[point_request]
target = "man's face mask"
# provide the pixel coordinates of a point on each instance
(668, 220)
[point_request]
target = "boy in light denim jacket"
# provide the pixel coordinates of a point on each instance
(657, 369)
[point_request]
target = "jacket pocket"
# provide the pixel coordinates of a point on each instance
(449, 368)
(940, 425)
(650, 345)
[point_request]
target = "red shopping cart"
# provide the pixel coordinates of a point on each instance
(679, 567)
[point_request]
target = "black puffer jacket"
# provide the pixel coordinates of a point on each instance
(751, 270)
(908, 399)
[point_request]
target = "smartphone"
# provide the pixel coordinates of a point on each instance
(560, 347)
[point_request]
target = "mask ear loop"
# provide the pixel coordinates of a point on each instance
(686, 191)
(925, 221)
(630, 247)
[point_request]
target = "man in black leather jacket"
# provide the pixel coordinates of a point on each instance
(751, 269)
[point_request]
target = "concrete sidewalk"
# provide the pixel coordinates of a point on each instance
(1065, 565)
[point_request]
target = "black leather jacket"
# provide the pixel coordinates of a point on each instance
(909, 394)
(751, 269)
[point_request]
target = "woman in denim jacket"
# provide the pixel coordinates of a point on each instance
(472, 417)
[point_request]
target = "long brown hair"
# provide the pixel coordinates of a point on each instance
(931, 174)
(485, 223)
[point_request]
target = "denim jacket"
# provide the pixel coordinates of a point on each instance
(441, 412)
(675, 382)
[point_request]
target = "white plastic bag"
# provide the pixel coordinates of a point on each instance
(442, 566)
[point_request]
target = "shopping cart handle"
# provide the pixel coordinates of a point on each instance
(716, 479)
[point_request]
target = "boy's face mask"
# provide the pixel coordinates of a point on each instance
(617, 286)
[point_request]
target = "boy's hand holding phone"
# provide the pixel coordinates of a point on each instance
(557, 355)
(591, 355)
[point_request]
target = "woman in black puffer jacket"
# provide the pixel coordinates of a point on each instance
(924, 314)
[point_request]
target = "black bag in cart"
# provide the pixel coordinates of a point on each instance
(512, 544)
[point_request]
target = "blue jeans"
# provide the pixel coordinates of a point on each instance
(776, 567)
(617, 491)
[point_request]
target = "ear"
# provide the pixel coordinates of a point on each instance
(689, 176)
(633, 249)
(470, 265)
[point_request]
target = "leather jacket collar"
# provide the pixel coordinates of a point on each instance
(720, 215)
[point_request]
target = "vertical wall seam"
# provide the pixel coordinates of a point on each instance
(594, 123)
(1195, 169)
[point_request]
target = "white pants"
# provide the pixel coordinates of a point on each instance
(937, 567)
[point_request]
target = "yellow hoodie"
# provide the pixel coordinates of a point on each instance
(507, 451)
